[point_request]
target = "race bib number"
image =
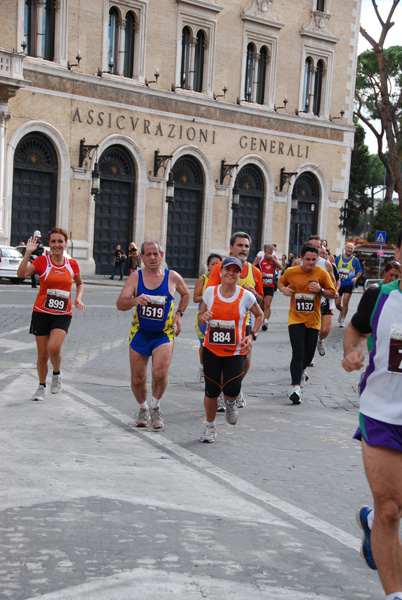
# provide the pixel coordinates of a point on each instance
(155, 309)
(267, 279)
(395, 349)
(304, 302)
(57, 300)
(222, 332)
(344, 274)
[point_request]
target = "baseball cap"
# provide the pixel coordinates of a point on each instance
(37, 233)
(232, 260)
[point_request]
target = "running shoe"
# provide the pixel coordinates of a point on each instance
(342, 323)
(295, 396)
(232, 413)
(365, 550)
(312, 364)
(201, 377)
(321, 347)
(209, 434)
(304, 379)
(56, 383)
(143, 417)
(264, 327)
(40, 393)
(221, 403)
(240, 402)
(156, 418)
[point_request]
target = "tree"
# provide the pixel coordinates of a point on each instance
(379, 96)
(387, 218)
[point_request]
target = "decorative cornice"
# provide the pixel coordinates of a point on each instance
(261, 12)
(319, 27)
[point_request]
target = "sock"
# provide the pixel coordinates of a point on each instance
(370, 519)
(394, 596)
(265, 321)
(56, 373)
(154, 402)
(44, 384)
(210, 423)
(144, 405)
(230, 403)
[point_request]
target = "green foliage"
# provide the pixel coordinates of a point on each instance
(387, 218)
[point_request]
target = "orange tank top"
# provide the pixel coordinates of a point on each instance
(55, 282)
(226, 330)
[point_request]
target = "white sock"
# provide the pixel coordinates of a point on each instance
(230, 403)
(265, 321)
(155, 403)
(144, 405)
(210, 423)
(394, 596)
(370, 519)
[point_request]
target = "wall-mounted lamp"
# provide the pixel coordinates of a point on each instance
(293, 205)
(342, 112)
(285, 101)
(236, 196)
(85, 151)
(285, 178)
(306, 108)
(77, 64)
(95, 189)
(24, 45)
(160, 160)
(224, 90)
(170, 189)
(156, 75)
(110, 70)
(226, 170)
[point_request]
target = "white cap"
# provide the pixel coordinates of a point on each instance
(37, 233)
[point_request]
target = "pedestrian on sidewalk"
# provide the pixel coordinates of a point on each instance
(118, 262)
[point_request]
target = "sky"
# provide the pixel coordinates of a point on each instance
(371, 24)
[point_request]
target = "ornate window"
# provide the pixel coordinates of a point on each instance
(125, 34)
(196, 45)
(39, 28)
(260, 43)
(320, 5)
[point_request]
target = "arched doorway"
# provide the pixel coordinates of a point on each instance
(34, 201)
(114, 207)
(184, 218)
(248, 216)
(303, 221)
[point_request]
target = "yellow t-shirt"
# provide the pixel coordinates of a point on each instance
(305, 306)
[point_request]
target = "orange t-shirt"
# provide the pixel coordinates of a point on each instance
(305, 306)
(55, 282)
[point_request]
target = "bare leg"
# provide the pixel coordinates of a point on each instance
(138, 365)
(43, 357)
(346, 298)
(161, 359)
(267, 306)
(56, 339)
(384, 473)
(326, 322)
(211, 406)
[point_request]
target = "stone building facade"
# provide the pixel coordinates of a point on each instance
(176, 120)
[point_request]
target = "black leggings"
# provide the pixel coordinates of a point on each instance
(230, 367)
(304, 342)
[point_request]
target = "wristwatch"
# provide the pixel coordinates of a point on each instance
(181, 312)
(255, 335)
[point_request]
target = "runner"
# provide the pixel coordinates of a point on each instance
(212, 260)
(304, 285)
(268, 263)
(349, 272)
(250, 279)
(151, 291)
(380, 431)
(52, 311)
(224, 308)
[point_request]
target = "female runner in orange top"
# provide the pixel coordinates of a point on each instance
(52, 312)
(225, 308)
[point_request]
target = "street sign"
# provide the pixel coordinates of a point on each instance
(380, 237)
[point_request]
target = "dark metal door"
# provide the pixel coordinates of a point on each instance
(304, 219)
(114, 207)
(184, 218)
(248, 216)
(34, 188)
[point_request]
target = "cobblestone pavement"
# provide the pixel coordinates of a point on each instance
(92, 507)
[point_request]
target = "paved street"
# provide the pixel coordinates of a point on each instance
(93, 508)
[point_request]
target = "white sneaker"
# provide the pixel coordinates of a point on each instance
(56, 383)
(40, 393)
(304, 378)
(296, 396)
(240, 402)
(201, 377)
(209, 434)
(231, 413)
(321, 347)
(342, 323)
(221, 403)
